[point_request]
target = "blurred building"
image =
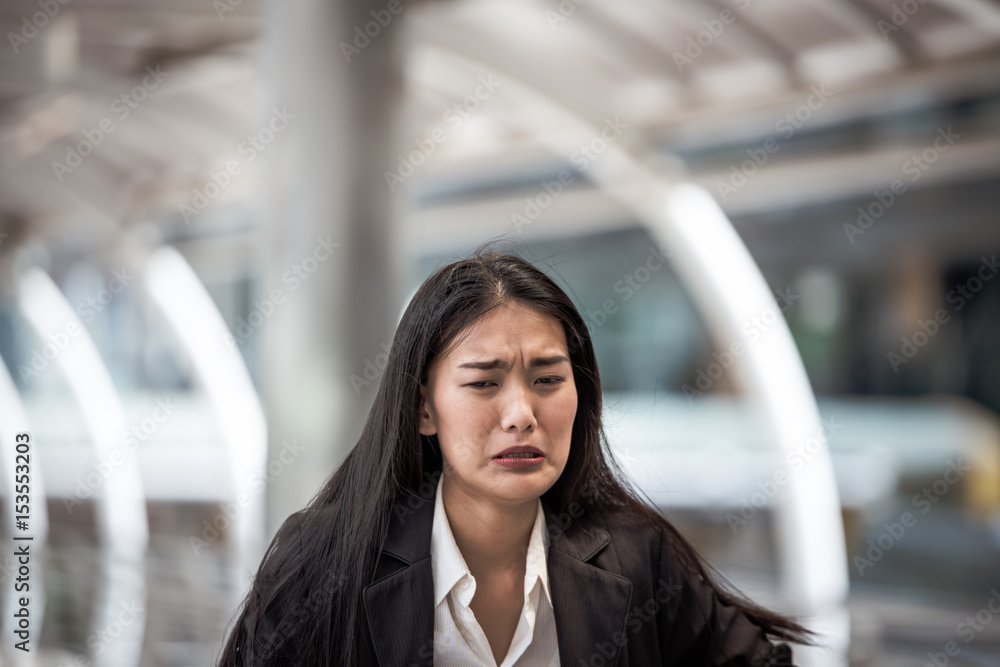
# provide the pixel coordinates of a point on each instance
(212, 213)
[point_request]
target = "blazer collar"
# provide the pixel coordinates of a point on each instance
(590, 597)
(400, 603)
(590, 601)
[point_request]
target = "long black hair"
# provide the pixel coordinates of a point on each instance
(305, 605)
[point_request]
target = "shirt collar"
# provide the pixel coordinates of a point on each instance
(449, 567)
(447, 562)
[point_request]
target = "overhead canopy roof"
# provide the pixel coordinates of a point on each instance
(690, 78)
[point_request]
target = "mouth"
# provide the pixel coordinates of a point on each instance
(519, 457)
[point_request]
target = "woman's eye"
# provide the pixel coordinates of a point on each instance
(479, 385)
(485, 384)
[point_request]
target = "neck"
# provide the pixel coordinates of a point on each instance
(490, 535)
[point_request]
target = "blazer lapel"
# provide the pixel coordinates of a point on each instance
(400, 604)
(590, 603)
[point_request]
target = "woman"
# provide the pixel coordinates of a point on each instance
(479, 519)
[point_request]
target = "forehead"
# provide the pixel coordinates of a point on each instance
(508, 329)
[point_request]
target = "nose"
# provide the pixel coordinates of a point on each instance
(518, 411)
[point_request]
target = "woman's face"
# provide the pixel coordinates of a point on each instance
(502, 404)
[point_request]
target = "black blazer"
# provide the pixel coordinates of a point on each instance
(619, 597)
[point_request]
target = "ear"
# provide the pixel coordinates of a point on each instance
(428, 425)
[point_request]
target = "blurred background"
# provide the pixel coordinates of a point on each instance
(780, 220)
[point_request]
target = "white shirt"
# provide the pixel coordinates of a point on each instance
(459, 641)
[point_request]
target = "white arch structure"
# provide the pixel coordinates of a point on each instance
(14, 420)
(174, 288)
(119, 501)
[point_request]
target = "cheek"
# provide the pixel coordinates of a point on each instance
(561, 414)
(463, 429)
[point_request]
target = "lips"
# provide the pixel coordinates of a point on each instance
(520, 452)
(520, 457)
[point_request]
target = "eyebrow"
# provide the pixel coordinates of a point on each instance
(496, 363)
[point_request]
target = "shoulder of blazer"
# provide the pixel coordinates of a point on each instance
(601, 567)
(618, 540)
(640, 552)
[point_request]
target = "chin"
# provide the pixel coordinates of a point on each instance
(521, 486)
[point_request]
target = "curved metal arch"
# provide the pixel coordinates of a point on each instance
(120, 500)
(14, 420)
(174, 288)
